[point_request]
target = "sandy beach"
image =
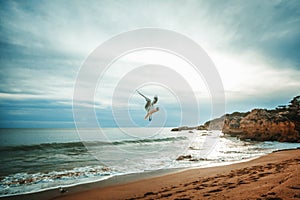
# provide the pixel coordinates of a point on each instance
(273, 176)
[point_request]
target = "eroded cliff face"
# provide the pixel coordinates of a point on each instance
(281, 124)
(263, 125)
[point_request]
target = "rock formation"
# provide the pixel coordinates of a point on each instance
(281, 124)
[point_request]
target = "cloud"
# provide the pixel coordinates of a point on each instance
(244, 77)
(254, 44)
(269, 28)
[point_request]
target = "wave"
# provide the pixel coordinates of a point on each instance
(167, 139)
(82, 144)
(42, 146)
(15, 183)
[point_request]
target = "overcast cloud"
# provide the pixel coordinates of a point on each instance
(255, 46)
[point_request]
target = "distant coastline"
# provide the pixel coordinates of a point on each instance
(280, 124)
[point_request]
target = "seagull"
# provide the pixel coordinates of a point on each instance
(149, 107)
(62, 190)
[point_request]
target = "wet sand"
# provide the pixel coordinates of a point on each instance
(271, 177)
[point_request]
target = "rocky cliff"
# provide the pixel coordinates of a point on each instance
(281, 124)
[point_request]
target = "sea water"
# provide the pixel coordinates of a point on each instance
(40, 159)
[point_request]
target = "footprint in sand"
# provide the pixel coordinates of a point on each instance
(198, 188)
(294, 187)
(215, 190)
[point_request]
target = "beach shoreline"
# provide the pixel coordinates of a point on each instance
(272, 175)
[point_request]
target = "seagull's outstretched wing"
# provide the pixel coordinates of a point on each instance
(147, 99)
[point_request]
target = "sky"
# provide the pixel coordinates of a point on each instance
(254, 46)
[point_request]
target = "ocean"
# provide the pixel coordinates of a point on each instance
(33, 160)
